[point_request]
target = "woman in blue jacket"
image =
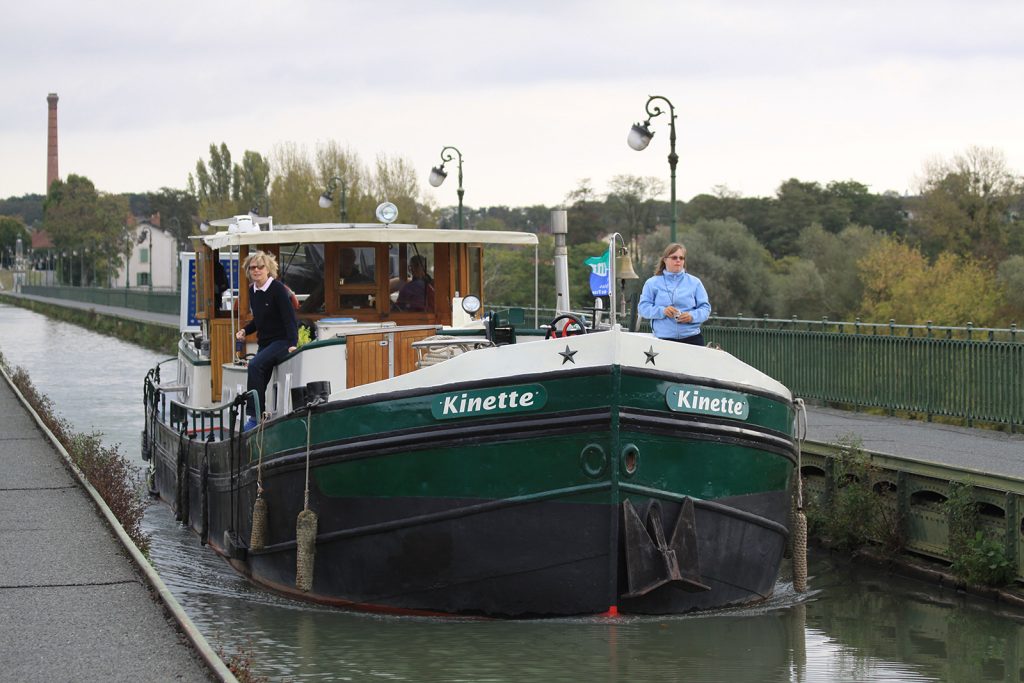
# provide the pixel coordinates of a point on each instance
(674, 301)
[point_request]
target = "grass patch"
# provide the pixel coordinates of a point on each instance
(240, 662)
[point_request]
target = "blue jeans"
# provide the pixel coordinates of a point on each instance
(260, 367)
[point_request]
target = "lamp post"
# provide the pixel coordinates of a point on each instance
(173, 220)
(127, 266)
(640, 136)
(150, 255)
(327, 198)
(438, 174)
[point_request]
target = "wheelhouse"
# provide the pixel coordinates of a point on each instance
(395, 277)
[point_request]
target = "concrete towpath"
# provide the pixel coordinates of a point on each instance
(74, 606)
(982, 451)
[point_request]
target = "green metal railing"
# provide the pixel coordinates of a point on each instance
(962, 372)
(137, 299)
(967, 373)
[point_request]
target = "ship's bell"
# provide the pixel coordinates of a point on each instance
(624, 267)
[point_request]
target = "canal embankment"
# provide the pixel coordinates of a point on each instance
(78, 601)
(156, 331)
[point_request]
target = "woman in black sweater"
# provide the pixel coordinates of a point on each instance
(273, 318)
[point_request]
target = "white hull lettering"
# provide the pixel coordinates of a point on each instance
(708, 402)
(489, 401)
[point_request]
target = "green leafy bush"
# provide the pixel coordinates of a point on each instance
(980, 558)
(853, 513)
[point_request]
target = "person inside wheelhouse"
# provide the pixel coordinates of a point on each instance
(418, 293)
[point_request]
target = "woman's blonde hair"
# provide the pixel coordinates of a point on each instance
(261, 258)
(669, 250)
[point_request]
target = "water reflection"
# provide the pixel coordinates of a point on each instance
(858, 624)
(945, 635)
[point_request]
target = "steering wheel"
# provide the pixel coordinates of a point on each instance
(573, 326)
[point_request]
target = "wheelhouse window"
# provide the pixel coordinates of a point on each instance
(302, 271)
(411, 284)
(353, 269)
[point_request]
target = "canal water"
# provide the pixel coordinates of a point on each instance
(856, 623)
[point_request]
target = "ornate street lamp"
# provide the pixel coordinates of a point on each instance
(327, 198)
(438, 174)
(640, 136)
(127, 265)
(181, 246)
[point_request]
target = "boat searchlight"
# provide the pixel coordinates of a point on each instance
(387, 213)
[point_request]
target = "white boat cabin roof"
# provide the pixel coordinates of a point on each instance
(364, 232)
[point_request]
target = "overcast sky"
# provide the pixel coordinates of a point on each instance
(537, 94)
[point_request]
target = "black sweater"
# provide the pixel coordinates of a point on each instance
(273, 315)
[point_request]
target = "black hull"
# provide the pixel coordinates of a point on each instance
(451, 555)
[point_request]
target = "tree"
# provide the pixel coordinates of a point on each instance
(835, 260)
(799, 289)
(335, 161)
(964, 205)
(900, 284)
(509, 274)
(396, 181)
(222, 189)
(253, 182)
(295, 187)
(220, 173)
(77, 217)
(1011, 277)
(631, 207)
(178, 210)
(797, 205)
(29, 208)
(584, 214)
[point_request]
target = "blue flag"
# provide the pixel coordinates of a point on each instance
(599, 271)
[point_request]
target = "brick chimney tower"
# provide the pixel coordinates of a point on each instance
(51, 142)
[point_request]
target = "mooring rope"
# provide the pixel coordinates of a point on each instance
(309, 420)
(258, 532)
(306, 525)
(800, 532)
(259, 458)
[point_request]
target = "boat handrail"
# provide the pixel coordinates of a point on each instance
(194, 420)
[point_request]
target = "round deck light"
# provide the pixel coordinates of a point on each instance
(387, 212)
(471, 304)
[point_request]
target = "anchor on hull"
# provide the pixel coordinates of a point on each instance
(650, 561)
